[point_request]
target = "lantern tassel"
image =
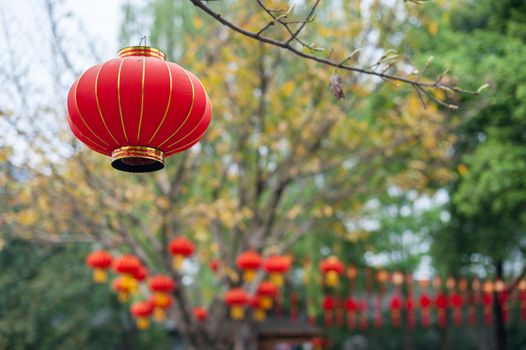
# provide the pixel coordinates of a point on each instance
(99, 276)
(237, 312)
(177, 262)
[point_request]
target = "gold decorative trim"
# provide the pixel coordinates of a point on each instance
(98, 104)
(189, 111)
(142, 99)
(145, 51)
(167, 106)
(141, 152)
(119, 98)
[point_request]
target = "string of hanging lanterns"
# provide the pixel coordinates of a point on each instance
(369, 296)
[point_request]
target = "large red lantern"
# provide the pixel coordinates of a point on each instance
(138, 108)
(142, 310)
(100, 262)
(237, 298)
(331, 268)
(180, 247)
(249, 262)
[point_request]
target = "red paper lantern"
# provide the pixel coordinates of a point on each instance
(267, 291)
(180, 247)
(200, 313)
(456, 303)
(141, 274)
(441, 304)
(138, 109)
(331, 268)
(249, 262)
(351, 307)
(395, 305)
(142, 310)
(127, 266)
(237, 298)
(162, 284)
(259, 311)
(425, 312)
(328, 304)
(100, 262)
(214, 265)
(122, 287)
(161, 302)
(277, 266)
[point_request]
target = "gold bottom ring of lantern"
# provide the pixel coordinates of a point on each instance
(137, 159)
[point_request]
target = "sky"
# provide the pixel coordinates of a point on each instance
(101, 18)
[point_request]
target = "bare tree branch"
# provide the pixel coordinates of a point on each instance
(423, 86)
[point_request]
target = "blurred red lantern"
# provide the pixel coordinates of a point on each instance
(237, 298)
(141, 274)
(456, 303)
(200, 313)
(122, 288)
(277, 266)
(331, 268)
(142, 310)
(425, 312)
(441, 304)
(249, 262)
(328, 304)
(127, 266)
(180, 247)
(162, 284)
(161, 302)
(214, 265)
(259, 311)
(395, 305)
(100, 262)
(267, 291)
(351, 307)
(138, 109)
